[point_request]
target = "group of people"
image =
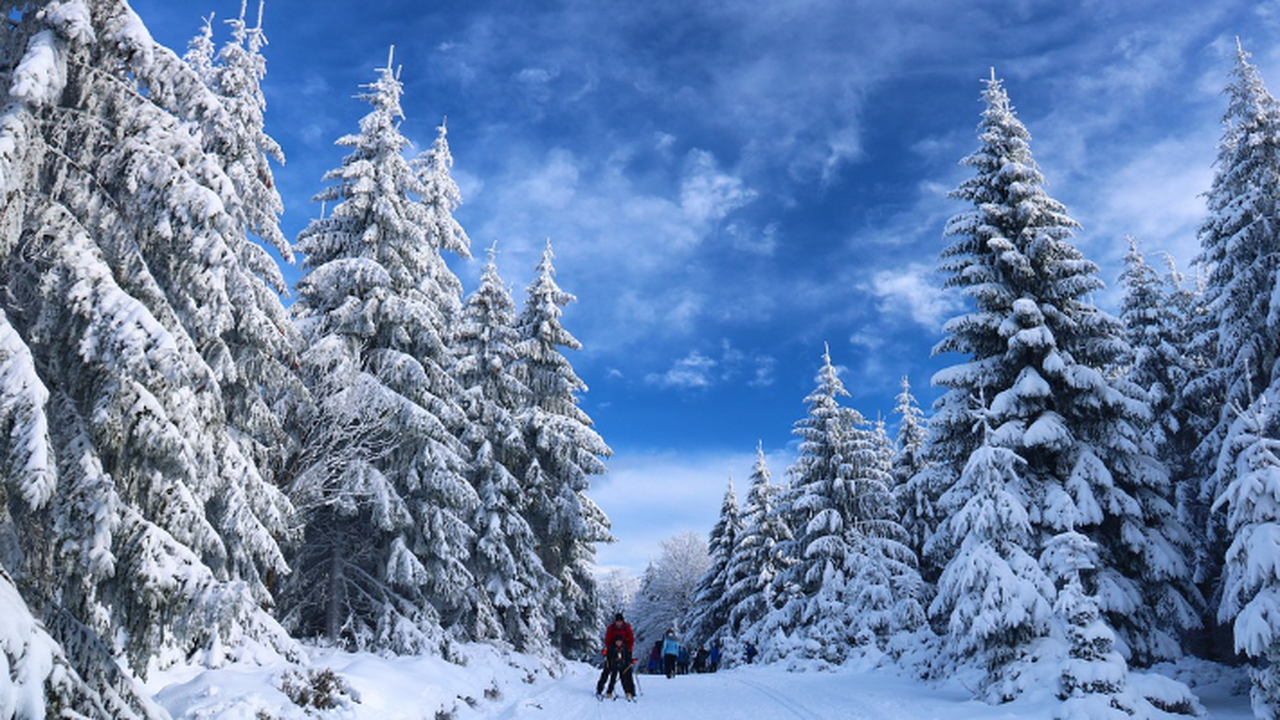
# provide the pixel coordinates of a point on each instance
(671, 657)
(667, 656)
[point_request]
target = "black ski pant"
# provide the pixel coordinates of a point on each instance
(628, 680)
(670, 662)
(604, 675)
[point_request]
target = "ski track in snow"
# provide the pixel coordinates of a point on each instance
(759, 696)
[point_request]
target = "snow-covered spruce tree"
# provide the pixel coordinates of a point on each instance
(1094, 676)
(889, 592)
(709, 616)
(564, 453)
(668, 587)
(134, 288)
(812, 615)
(1250, 579)
(381, 480)
(992, 596)
(201, 50)
(1240, 330)
(1157, 312)
(504, 561)
(247, 149)
(755, 561)
(915, 506)
(850, 560)
(42, 683)
(260, 385)
(440, 198)
(1154, 315)
(1045, 358)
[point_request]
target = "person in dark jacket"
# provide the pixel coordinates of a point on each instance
(700, 660)
(713, 658)
(619, 629)
(617, 664)
(655, 658)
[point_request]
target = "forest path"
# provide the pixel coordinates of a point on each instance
(757, 694)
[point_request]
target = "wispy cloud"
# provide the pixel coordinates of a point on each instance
(693, 371)
(706, 193)
(914, 291)
(747, 238)
(698, 371)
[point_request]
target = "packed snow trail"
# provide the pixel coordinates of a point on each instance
(758, 693)
(772, 693)
(507, 686)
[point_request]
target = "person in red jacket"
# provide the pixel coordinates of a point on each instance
(619, 629)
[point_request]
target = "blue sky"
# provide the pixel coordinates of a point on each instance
(728, 185)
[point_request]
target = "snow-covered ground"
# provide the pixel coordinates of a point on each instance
(495, 685)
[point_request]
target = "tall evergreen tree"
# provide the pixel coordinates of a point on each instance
(710, 614)
(1153, 313)
(246, 148)
(993, 598)
(755, 560)
(148, 527)
(812, 594)
(1045, 357)
(1250, 584)
(505, 561)
(851, 570)
(1239, 330)
(564, 453)
(382, 475)
(1157, 312)
(889, 592)
(259, 384)
(915, 506)
(440, 198)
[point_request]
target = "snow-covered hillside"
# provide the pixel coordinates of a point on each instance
(494, 685)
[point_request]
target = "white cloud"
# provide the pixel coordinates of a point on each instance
(866, 340)
(537, 75)
(748, 239)
(697, 371)
(911, 291)
(553, 184)
(706, 193)
(762, 373)
(694, 371)
(1156, 197)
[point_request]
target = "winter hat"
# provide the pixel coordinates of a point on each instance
(617, 618)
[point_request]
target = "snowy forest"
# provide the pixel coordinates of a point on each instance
(1091, 495)
(195, 473)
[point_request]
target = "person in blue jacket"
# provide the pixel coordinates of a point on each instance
(670, 651)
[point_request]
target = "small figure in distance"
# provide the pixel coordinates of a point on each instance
(670, 652)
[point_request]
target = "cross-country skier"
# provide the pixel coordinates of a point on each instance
(617, 664)
(619, 629)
